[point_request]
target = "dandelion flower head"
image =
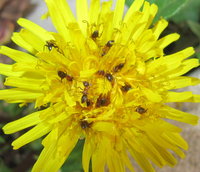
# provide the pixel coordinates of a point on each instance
(104, 77)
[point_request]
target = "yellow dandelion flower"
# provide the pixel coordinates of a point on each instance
(105, 78)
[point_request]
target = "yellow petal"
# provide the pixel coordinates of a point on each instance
(159, 27)
(136, 5)
(151, 95)
(33, 134)
(69, 100)
(170, 61)
(16, 95)
(27, 67)
(177, 115)
(94, 11)
(82, 14)
(51, 138)
(58, 157)
(65, 11)
(35, 29)
(32, 40)
(44, 157)
(130, 29)
(176, 139)
(114, 161)
(167, 156)
(161, 126)
(60, 117)
(151, 152)
(153, 12)
(22, 43)
(7, 70)
(57, 17)
(105, 127)
(163, 142)
(105, 17)
(141, 160)
(181, 55)
(16, 55)
(25, 83)
(87, 153)
(118, 13)
(77, 37)
(87, 73)
(180, 82)
(165, 41)
(22, 123)
(127, 162)
(98, 159)
(146, 10)
(178, 96)
(187, 65)
(195, 98)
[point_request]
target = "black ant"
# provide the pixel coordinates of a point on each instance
(102, 101)
(107, 47)
(118, 67)
(108, 76)
(95, 35)
(126, 87)
(63, 75)
(84, 98)
(140, 110)
(100, 72)
(85, 124)
(86, 84)
(50, 44)
(110, 43)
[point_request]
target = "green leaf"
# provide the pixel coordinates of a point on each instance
(11, 109)
(198, 55)
(190, 11)
(2, 140)
(166, 8)
(73, 163)
(129, 2)
(195, 27)
(3, 167)
(36, 145)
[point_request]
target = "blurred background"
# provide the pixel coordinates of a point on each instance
(183, 17)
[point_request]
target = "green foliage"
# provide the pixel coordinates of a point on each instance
(2, 140)
(36, 145)
(195, 27)
(197, 49)
(10, 109)
(191, 11)
(166, 8)
(129, 2)
(3, 167)
(74, 161)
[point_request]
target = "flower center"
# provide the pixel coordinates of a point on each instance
(94, 77)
